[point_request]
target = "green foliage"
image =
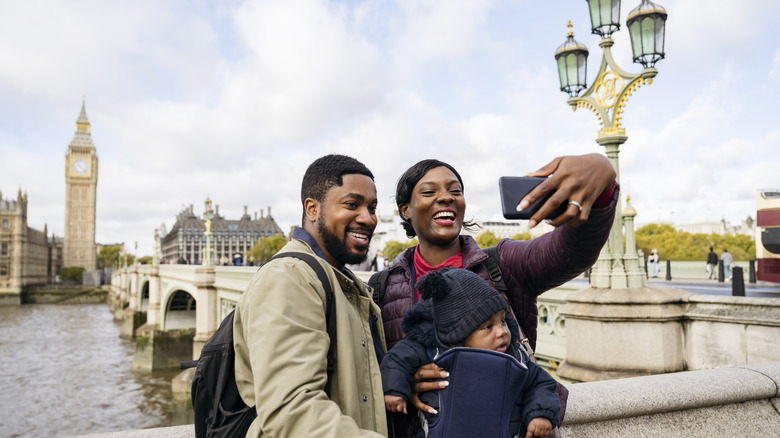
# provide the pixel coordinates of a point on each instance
(487, 239)
(266, 247)
(127, 259)
(74, 273)
(108, 256)
(523, 236)
(682, 246)
(394, 247)
(146, 260)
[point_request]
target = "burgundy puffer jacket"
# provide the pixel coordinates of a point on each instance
(529, 269)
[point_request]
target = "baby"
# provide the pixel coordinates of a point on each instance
(460, 309)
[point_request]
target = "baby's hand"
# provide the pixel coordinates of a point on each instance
(539, 426)
(394, 403)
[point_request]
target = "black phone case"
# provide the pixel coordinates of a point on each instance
(514, 188)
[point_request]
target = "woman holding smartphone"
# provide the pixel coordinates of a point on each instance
(431, 203)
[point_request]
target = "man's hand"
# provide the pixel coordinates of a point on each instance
(539, 426)
(395, 404)
(422, 383)
(580, 179)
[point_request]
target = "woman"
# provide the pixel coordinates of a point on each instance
(432, 207)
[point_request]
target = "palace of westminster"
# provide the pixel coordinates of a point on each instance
(32, 257)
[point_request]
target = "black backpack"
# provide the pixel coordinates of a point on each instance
(219, 409)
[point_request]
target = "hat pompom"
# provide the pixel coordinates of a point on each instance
(433, 285)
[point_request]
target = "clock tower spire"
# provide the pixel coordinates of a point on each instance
(81, 171)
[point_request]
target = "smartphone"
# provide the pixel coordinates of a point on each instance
(513, 190)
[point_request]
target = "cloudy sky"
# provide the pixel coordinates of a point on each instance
(233, 99)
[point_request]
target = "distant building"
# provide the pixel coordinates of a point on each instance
(746, 227)
(508, 229)
(27, 256)
(186, 242)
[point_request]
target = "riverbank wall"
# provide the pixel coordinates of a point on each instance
(64, 294)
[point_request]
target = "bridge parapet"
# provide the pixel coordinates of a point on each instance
(742, 401)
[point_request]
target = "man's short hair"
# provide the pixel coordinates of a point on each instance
(326, 172)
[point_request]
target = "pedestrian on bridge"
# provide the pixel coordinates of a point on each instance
(727, 261)
(712, 263)
(653, 260)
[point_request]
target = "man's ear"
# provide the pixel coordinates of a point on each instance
(311, 209)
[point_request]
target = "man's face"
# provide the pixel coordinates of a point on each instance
(347, 219)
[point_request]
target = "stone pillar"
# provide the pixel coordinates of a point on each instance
(617, 272)
(153, 316)
(634, 275)
(132, 298)
(206, 310)
(121, 297)
(131, 318)
(615, 333)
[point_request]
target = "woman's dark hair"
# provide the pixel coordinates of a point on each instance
(410, 178)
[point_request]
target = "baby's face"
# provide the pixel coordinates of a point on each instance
(492, 335)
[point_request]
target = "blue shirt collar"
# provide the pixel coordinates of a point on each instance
(301, 234)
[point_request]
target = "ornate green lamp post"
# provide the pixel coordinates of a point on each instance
(606, 97)
(208, 214)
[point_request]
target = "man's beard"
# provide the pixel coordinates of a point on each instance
(338, 248)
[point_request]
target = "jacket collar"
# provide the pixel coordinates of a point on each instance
(472, 255)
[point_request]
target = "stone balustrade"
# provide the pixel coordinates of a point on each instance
(741, 401)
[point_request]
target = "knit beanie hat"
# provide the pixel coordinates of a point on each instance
(462, 302)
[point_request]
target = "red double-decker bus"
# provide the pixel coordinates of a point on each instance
(768, 235)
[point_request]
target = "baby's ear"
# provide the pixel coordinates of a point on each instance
(433, 285)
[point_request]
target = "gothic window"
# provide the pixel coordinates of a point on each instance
(5, 224)
(4, 249)
(3, 269)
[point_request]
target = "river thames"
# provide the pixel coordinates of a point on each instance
(64, 370)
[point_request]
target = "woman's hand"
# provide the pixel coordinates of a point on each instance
(579, 178)
(422, 383)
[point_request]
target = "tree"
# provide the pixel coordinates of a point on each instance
(682, 246)
(487, 239)
(73, 273)
(146, 260)
(393, 248)
(266, 247)
(108, 256)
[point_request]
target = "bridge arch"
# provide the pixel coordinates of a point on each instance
(179, 310)
(143, 299)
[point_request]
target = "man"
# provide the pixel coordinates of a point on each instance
(712, 263)
(280, 334)
(727, 260)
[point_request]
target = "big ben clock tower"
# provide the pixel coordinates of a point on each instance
(81, 172)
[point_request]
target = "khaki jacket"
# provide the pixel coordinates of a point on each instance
(281, 343)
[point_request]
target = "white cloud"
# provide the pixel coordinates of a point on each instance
(234, 100)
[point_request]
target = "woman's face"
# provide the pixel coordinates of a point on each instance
(437, 207)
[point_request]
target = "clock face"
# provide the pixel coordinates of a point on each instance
(80, 166)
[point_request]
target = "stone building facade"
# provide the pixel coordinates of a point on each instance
(186, 241)
(27, 256)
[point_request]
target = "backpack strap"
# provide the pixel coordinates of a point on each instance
(378, 282)
(330, 315)
(491, 263)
